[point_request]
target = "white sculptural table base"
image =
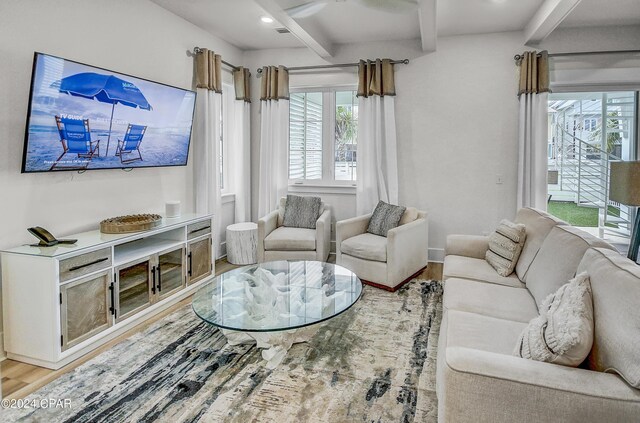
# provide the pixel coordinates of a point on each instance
(276, 304)
(274, 345)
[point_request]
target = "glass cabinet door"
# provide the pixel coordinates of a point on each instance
(134, 287)
(170, 272)
(85, 308)
(199, 259)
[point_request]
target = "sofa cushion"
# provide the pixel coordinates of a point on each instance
(538, 225)
(476, 269)
(563, 332)
(470, 330)
(366, 246)
(488, 299)
(291, 239)
(615, 283)
(505, 245)
(558, 260)
(409, 215)
(385, 217)
(481, 386)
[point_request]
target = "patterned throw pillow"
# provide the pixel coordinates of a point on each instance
(385, 216)
(505, 246)
(301, 212)
(563, 332)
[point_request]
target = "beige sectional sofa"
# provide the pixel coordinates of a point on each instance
(478, 378)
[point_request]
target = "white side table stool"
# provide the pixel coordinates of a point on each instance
(242, 239)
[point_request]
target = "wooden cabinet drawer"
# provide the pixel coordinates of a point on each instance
(198, 229)
(84, 310)
(198, 260)
(83, 264)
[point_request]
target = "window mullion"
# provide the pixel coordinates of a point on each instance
(305, 123)
(328, 102)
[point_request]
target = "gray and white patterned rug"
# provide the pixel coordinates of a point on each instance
(374, 363)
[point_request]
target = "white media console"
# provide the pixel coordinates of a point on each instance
(61, 302)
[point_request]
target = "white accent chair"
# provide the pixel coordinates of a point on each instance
(277, 242)
(385, 263)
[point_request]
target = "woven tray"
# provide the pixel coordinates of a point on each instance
(130, 223)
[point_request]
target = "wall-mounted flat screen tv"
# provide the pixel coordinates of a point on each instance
(82, 117)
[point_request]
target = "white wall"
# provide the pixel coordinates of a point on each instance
(457, 119)
(132, 37)
(456, 113)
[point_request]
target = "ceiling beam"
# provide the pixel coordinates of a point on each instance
(550, 14)
(309, 35)
(428, 24)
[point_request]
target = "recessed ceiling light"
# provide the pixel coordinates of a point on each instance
(267, 19)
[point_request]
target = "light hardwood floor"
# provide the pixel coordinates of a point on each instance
(21, 379)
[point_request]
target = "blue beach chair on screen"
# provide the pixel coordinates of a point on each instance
(75, 136)
(131, 143)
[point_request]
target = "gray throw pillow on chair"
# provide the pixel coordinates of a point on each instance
(385, 216)
(301, 212)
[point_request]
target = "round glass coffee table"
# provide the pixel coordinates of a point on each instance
(276, 304)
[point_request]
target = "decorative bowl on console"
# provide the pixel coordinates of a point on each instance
(130, 223)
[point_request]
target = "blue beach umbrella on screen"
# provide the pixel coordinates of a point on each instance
(104, 88)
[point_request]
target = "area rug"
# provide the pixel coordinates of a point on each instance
(374, 363)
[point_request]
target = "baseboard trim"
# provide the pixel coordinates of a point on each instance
(436, 254)
(3, 353)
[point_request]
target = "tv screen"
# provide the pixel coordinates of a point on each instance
(82, 117)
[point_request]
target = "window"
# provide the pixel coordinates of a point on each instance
(323, 126)
(305, 135)
(346, 135)
(588, 131)
(222, 116)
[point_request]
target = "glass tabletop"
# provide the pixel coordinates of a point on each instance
(277, 295)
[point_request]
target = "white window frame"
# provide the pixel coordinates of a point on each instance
(592, 125)
(328, 138)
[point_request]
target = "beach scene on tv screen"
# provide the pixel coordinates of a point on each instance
(82, 117)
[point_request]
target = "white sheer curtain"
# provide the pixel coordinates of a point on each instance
(532, 151)
(274, 141)
(206, 159)
(532, 130)
(377, 153)
(274, 137)
(377, 150)
(238, 156)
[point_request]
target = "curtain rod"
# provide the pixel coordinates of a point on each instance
(519, 57)
(197, 50)
(337, 65)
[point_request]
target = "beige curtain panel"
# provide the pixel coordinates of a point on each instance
(376, 78)
(534, 73)
(209, 70)
(275, 83)
(241, 83)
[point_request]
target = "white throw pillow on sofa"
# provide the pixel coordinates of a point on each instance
(563, 332)
(505, 246)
